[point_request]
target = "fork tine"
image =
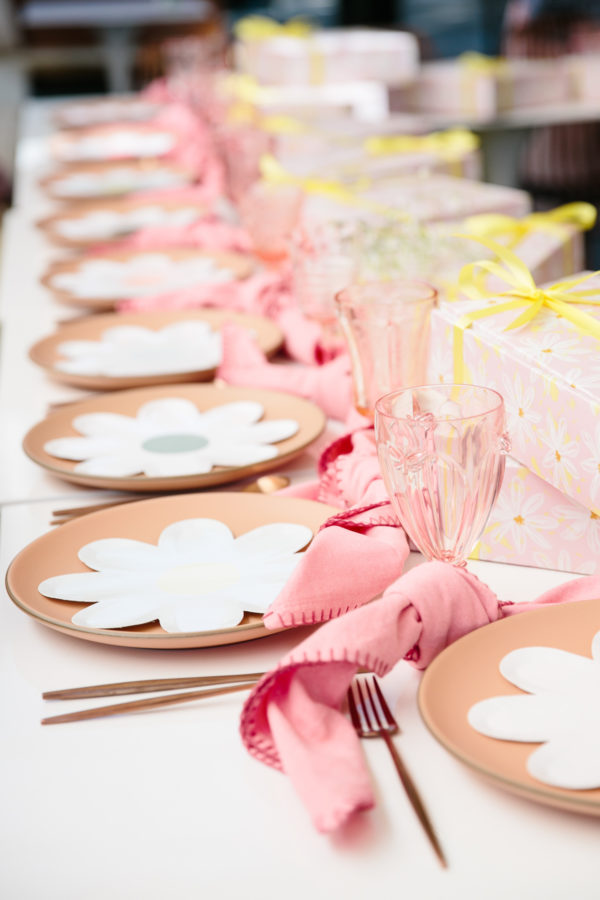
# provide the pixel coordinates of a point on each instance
(387, 713)
(371, 704)
(353, 711)
(364, 705)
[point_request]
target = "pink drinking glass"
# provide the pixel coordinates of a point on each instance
(269, 213)
(442, 452)
(323, 264)
(386, 326)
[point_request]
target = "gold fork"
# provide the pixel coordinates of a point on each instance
(372, 717)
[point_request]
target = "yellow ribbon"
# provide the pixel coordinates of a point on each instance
(274, 173)
(246, 89)
(491, 225)
(480, 64)
(450, 146)
(523, 293)
(261, 28)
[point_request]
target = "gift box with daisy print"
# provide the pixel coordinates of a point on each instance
(547, 369)
(534, 524)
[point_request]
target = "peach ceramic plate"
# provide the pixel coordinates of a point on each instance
(100, 111)
(68, 227)
(46, 352)
(310, 419)
(55, 553)
(114, 178)
(467, 672)
(135, 271)
(112, 140)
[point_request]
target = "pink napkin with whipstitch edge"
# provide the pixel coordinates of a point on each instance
(243, 363)
(292, 719)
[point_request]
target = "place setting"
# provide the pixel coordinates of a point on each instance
(115, 351)
(99, 281)
(171, 439)
(85, 224)
(110, 179)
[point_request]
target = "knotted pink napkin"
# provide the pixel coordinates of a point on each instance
(329, 385)
(357, 553)
(206, 234)
(292, 720)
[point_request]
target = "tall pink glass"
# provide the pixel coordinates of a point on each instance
(386, 326)
(442, 451)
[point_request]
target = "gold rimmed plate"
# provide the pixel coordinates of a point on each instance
(309, 417)
(234, 266)
(55, 553)
(67, 227)
(468, 671)
(105, 110)
(114, 178)
(47, 352)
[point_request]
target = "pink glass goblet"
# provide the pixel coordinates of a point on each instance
(442, 452)
(386, 327)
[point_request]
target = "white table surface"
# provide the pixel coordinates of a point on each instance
(168, 804)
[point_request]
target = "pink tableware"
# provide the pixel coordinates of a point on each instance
(442, 451)
(386, 326)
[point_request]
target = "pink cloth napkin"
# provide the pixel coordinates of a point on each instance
(329, 385)
(292, 720)
(206, 234)
(352, 559)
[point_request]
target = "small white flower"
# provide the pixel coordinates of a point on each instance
(104, 224)
(581, 523)
(521, 414)
(132, 351)
(583, 378)
(560, 710)
(170, 437)
(197, 578)
(592, 464)
(516, 515)
(139, 276)
(561, 452)
(120, 179)
(546, 345)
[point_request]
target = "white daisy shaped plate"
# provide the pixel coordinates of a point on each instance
(123, 140)
(172, 561)
(98, 282)
(468, 672)
(86, 113)
(117, 351)
(173, 438)
(115, 178)
(84, 224)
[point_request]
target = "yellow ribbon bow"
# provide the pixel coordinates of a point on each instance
(273, 172)
(451, 144)
(523, 293)
(261, 28)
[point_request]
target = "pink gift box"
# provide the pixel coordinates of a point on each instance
(429, 198)
(584, 71)
(533, 524)
(451, 87)
(549, 375)
(352, 161)
(331, 56)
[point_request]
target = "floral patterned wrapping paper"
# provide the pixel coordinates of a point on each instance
(549, 375)
(534, 524)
